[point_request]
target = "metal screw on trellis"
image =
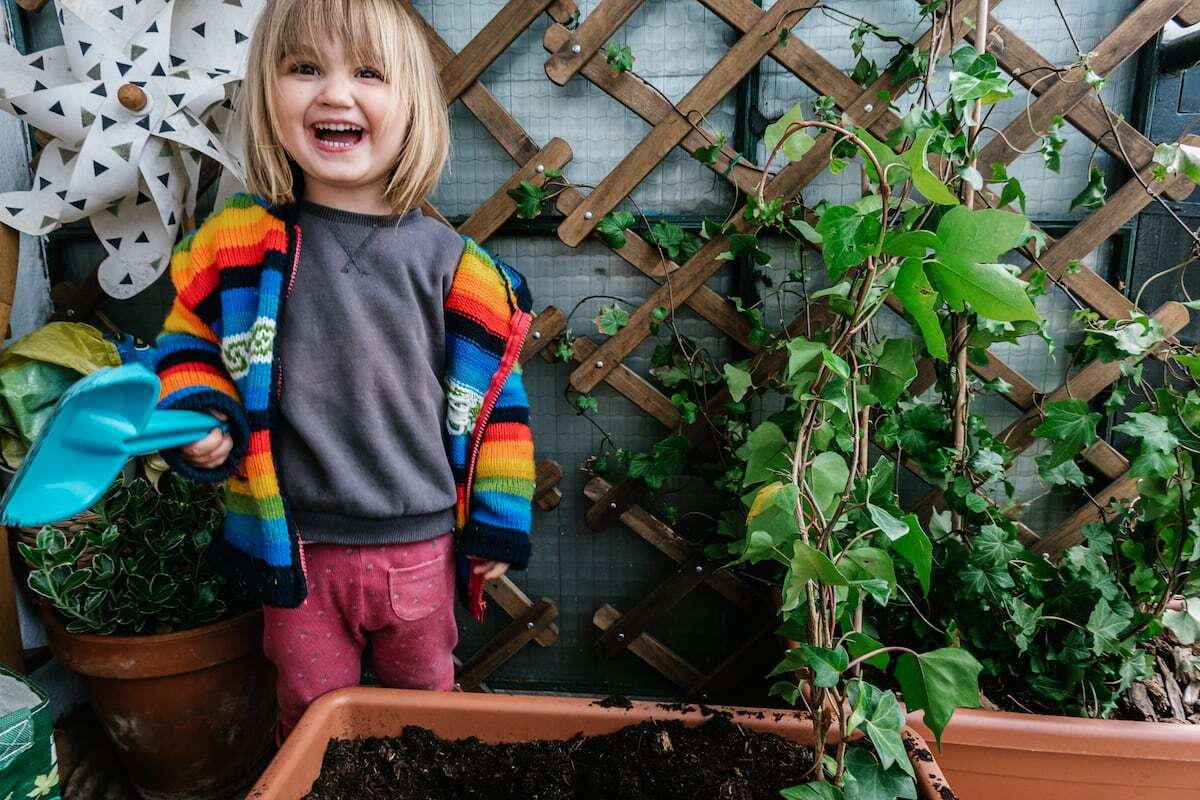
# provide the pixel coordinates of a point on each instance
(540, 167)
(587, 215)
(599, 365)
(528, 626)
(612, 506)
(620, 637)
(699, 569)
(576, 48)
(537, 334)
(868, 108)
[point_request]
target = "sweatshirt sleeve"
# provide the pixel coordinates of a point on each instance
(189, 366)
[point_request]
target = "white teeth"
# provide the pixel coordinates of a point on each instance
(336, 126)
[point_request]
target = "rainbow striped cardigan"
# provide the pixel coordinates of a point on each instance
(217, 351)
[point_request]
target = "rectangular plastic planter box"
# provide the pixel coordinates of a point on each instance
(362, 712)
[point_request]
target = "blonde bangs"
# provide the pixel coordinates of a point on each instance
(377, 33)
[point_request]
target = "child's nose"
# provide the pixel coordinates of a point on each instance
(336, 91)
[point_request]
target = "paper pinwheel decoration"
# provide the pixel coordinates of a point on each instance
(138, 94)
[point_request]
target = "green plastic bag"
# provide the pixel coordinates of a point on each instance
(28, 763)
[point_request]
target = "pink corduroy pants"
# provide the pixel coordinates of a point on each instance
(399, 597)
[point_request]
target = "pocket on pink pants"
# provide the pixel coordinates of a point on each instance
(418, 591)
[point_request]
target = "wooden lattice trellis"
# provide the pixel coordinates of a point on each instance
(1053, 93)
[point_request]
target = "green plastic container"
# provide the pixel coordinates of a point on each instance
(28, 763)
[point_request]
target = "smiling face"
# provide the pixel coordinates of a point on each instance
(343, 125)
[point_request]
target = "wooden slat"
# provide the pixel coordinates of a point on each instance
(715, 85)
(1064, 91)
(662, 658)
(1089, 382)
(634, 387)
(516, 603)
(32, 6)
(790, 179)
(1070, 532)
(546, 479)
(496, 210)
(11, 654)
(641, 98)
(10, 254)
(657, 533)
(547, 326)
(487, 45)
(505, 644)
(733, 669)
(1189, 16)
(599, 25)
(652, 607)
(1029, 67)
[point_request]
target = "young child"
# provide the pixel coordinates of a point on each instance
(363, 356)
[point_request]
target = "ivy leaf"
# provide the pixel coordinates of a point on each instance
(1185, 623)
(1154, 463)
(613, 226)
(585, 402)
(920, 300)
(1151, 429)
(801, 353)
(923, 178)
(1052, 144)
(847, 238)
(977, 77)
(610, 319)
(827, 478)
(798, 143)
(767, 454)
(1179, 159)
(939, 682)
(738, 380)
(620, 58)
(1106, 626)
(894, 166)
(773, 514)
(1070, 426)
(989, 290)
(894, 371)
(892, 528)
(915, 548)
(827, 665)
(910, 243)
(817, 790)
(859, 644)
(530, 199)
(866, 779)
(1094, 194)
(810, 564)
(995, 547)
(980, 235)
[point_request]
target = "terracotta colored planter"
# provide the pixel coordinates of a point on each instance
(191, 714)
(362, 712)
(992, 755)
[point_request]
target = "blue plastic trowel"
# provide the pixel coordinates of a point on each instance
(99, 423)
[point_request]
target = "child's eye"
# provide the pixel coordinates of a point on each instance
(304, 68)
(370, 74)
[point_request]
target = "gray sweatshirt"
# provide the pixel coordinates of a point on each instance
(361, 443)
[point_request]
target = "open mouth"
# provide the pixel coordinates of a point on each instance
(337, 135)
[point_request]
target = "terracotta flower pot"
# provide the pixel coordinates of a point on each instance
(992, 755)
(363, 712)
(191, 714)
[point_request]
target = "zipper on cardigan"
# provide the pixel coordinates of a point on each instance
(512, 351)
(287, 292)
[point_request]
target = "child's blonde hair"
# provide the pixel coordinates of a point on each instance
(376, 32)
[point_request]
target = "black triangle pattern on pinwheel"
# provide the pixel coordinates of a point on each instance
(239, 37)
(127, 280)
(118, 12)
(49, 222)
(99, 168)
(43, 183)
(14, 211)
(136, 51)
(199, 29)
(38, 62)
(62, 194)
(144, 122)
(158, 71)
(100, 90)
(176, 61)
(142, 198)
(38, 86)
(115, 242)
(68, 156)
(84, 47)
(79, 203)
(177, 99)
(106, 122)
(142, 238)
(153, 27)
(94, 73)
(122, 67)
(139, 83)
(86, 117)
(171, 218)
(165, 179)
(237, 3)
(166, 127)
(20, 112)
(57, 108)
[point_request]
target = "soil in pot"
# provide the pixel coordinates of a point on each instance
(657, 759)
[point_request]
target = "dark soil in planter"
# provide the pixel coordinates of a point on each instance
(659, 761)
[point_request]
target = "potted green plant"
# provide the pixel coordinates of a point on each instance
(172, 664)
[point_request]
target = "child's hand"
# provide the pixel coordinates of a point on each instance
(211, 451)
(490, 570)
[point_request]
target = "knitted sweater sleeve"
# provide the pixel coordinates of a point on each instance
(190, 366)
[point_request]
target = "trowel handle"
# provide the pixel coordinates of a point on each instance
(174, 428)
